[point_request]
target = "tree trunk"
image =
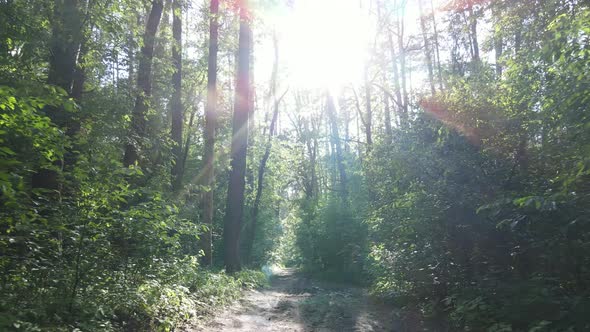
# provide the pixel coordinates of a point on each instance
(427, 49)
(176, 103)
(437, 48)
(66, 40)
(369, 110)
(260, 185)
(473, 32)
(402, 61)
(251, 231)
(387, 114)
(210, 127)
(65, 45)
(144, 86)
(347, 118)
(235, 194)
(331, 109)
(79, 79)
(498, 42)
(399, 101)
(313, 147)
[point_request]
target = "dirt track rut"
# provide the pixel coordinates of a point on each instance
(294, 302)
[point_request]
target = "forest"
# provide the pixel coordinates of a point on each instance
(161, 159)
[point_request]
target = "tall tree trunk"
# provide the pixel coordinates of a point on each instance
(313, 152)
(498, 41)
(399, 101)
(144, 86)
(369, 110)
(260, 185)
(234, 214)
(176, 103)
(210, 127)
(251, 230)
(473, 31)
(309, 133)
(387, 113)
(66, 40)
(331, 110)
(79, 80)
(65, 44)
(402, 70)
(402, 56)
(437, 48)
(427, 48)
(347, 118)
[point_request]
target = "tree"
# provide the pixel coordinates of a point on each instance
(427, 48)
(210, 127)
(369, 110)
(276, 100)
(66, 47)
(335, 139)
(234, 214)
(399, 70)
(138, 130)
(176, 102)
(436, 45)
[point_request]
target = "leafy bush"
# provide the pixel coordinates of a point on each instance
(165, 307)
(114, 255)
(332, 242)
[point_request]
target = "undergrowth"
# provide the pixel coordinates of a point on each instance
(182, 294)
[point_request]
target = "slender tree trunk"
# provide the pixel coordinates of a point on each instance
(329, 172)
(402, 71)
(260, 185)
(347, 118)
(313, 152)
(130, 59)
(66, 40)
(473, 31)
(399, 101)
(176, 103)
(369, 110)
(187, 142)
(331, 109)
(402, 56)
(498, 42)
(79, 79)
(437, 48)
(235, 195)
(427, 48)
(210, 127)
(144, 85)
(387, 114)
(251, 230)
(310, 137)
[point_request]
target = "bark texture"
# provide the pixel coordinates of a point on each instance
(210, 127)
(144, 86)
(234, 215)
(176, 103)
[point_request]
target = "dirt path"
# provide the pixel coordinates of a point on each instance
(296, 303)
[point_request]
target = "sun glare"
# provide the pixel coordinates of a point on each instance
(324, 43)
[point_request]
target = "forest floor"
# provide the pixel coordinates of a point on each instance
(295, 302)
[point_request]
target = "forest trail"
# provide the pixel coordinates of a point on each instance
(294, 302)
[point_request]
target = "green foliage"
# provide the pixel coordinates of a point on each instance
(492, 230)
(198, 293)
(475, 213)
(331, 242)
